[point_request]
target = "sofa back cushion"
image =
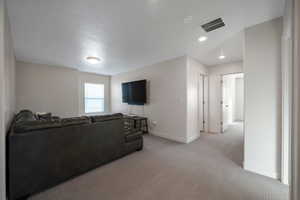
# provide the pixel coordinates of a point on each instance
(75, 121)
(27, 126)
(102, 118)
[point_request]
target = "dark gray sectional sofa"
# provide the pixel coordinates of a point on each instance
(44, 153)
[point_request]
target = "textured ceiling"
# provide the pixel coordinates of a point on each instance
(232, 48)
(132, 33)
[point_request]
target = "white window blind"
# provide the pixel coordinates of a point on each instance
(93, 98)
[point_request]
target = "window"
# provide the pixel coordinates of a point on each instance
(93, 98)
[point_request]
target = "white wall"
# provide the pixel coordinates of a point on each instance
(10, 71)
(215, 75)
(44, 88)
(239, 99)
(7, 88)
(166, 96)
(194, 70)
(295, 178)
(262, 67)
(173, 101)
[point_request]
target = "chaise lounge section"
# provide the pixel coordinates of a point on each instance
(44, 153)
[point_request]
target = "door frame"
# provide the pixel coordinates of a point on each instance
(201, 102)
(2, 106)
(204, 101)
(286, 117)
(295, 164)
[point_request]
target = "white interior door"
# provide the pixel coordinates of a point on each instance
(225, 103)
(200, 102)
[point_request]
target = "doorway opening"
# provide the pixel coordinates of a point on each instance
(232, 101)
(232, 113)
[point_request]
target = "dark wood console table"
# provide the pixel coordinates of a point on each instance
(139, 123)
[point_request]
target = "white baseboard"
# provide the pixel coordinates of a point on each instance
(193, 138)
(175, 138)
(214, 132)
(169, 136)
(266, 173)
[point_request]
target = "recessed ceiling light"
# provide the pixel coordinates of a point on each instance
(221, 57)
(93, 60)
(202, 38)
(188, 20)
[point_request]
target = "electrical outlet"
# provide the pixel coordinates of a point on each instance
(154, 123)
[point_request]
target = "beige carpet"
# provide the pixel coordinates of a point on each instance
(207, 169)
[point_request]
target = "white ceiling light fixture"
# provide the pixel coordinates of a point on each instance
(202, 39)
(222, 56)
(93, 60)
(188, 20)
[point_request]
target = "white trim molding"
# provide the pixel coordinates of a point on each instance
(169, 136)
(286, 108)
(287, 74)
(192, 139)
(262, 172)
(2, 102)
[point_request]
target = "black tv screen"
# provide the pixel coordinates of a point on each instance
(125, 92)
(134, 93)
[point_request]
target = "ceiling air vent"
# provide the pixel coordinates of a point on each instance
(213, 25)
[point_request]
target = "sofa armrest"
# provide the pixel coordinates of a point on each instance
(134, 136)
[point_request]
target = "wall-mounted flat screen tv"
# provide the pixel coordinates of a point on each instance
(135, 93)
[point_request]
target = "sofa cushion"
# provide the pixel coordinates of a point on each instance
(75, 121)
(26, 126)
(25, 115)
(102, 118)
(44, 116)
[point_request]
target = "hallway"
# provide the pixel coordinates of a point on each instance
(233, 142)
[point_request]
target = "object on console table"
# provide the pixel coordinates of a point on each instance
(136, 122)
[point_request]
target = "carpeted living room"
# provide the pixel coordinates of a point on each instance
(146, 100)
